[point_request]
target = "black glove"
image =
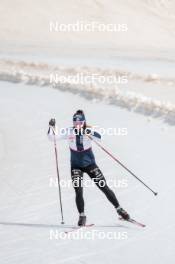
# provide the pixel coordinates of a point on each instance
(52, 122)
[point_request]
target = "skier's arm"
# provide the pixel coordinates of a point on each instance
(93, 134)
(96, 135)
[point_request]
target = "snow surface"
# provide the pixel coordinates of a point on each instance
(29, 206)
(25, 25)
(149, 94)
(29, 52)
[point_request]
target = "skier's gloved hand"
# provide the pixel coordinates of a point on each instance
(87, 131)
(52, 122)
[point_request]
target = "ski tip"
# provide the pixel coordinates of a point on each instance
(137, 223)
(130, 220)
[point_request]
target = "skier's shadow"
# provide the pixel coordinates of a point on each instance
(34, 225)
(38, 225)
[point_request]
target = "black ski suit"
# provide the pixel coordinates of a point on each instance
(83, 161)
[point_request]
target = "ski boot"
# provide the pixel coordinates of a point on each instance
(122, 213)
(82, 220)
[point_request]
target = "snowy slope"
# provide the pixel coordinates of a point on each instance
(145, 92)
(150, 27)
(29, 207)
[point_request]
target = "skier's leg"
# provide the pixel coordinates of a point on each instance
(97, 176)
(77, 180)
(95, 173)
(77, 177)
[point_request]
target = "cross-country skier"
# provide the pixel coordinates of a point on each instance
(83, 160)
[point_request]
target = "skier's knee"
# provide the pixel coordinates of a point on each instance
(97, 174)
(98, 177)
(76, 178)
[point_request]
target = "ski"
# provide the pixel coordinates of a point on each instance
(133, 222)
(77, 228)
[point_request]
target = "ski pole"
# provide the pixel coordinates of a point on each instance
(114, 158)
(58, 177)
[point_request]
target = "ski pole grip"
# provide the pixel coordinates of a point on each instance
(52, 122)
